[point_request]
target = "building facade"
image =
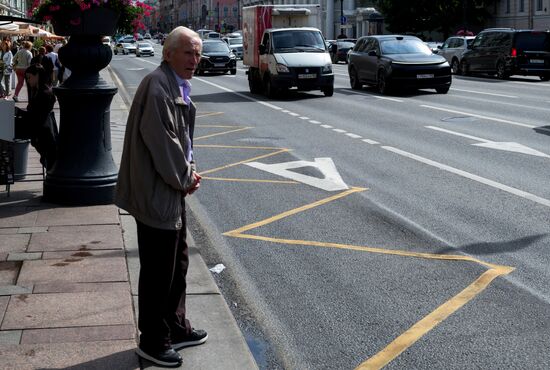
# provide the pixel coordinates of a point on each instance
(338, 17)
(14, 8)
(521, 14)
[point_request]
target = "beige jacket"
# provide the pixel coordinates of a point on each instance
(154, 173)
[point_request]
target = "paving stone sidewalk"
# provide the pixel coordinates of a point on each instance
(68, 283)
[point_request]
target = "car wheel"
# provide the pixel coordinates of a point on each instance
(501, 71)
(464, 69)
(354, 79)
(544, 78)
(269, 90)
(382, 82)
(442, 90)
(328, 91)
(234, 71)
(455, 67)
(254, 83)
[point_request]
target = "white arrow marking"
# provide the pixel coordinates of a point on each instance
(331, 182)
(513, 147)
(507, 146)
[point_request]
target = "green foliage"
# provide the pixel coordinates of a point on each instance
(445, 16)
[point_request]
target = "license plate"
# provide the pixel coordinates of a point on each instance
(536, 61)
(219, 64)
(425, 76)
(307, 75)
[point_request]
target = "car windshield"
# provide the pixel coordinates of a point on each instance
(235, 41)
(144, 45)
(346, 45)
(534, 41)
(295, 41)
(125, 44)
(215, 47)
(404, 46)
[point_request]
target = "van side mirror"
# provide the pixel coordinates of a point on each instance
(261, 49)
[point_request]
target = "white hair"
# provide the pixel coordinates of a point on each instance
(172, 41)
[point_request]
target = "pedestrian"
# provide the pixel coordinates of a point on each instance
(45, 62)
(55, 62)
(5, 77)
(156, 172)
(39, 119)
(21, 61)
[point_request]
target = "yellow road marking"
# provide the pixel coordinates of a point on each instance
(441, 313)
(209, 114)
(240, 230)
(236, 147)
(422, 327)
(221, 133)
(217, 126)
(250, 180)
(245, 161)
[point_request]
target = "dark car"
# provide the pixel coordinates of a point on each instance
(216, 57)
(338, 50)
(393, 62)
(507, 51)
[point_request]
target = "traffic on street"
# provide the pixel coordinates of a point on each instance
(361, 230)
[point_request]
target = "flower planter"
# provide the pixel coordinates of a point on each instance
(95, 21)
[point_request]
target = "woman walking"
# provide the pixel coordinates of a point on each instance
(5, 78)
(21, 61)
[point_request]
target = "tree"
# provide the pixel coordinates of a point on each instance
(445, 16)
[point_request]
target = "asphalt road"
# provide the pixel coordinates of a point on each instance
(406, 231)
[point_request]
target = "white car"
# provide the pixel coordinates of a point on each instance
(144, 48)
(124, 48)
(452, 50)
(235, 45)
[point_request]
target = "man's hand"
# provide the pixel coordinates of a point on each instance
(196, 183)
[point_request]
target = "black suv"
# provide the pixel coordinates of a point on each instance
(507, 51)
(216, 57)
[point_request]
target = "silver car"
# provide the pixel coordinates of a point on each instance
(144, 48)
(452, 50)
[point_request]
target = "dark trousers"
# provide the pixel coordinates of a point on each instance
(164, 259)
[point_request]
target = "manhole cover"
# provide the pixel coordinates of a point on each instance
(459, 119)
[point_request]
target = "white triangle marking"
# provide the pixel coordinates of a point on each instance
(331, 182)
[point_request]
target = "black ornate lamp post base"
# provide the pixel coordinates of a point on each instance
(85, 172)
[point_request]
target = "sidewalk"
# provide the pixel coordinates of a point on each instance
(68, 283)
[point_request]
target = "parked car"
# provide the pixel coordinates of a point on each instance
(394, 61)
(338, 50)
(124, 48)
(453, 48)
(147, 36)
(144, 48)
(434, 45)
(128, 39)
(236, 45)
(507, 51)
(216, 57)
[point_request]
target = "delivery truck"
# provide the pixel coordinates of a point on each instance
(284, 48)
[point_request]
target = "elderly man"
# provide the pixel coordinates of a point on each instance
(157, 171)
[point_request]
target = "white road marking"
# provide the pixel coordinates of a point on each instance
(338, 130)
(326, 126)
(353, 136)
(482, 180)
(369, 141)
(293, 114)
(485, 93)
(302, 117)
(386, 98)
(506, 146)
(331, 182)
(314, 122)
(479, 116)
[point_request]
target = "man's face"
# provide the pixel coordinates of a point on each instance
(185, 58)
